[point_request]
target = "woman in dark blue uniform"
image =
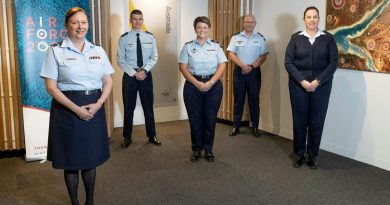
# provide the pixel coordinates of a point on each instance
(311, 60)
(77, 75)
(202, 63)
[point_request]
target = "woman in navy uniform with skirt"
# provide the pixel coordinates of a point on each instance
(311, 60)
(202, 63)
(77, 75)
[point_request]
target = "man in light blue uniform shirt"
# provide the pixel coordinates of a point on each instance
(137, 55)
(247, 50)
(202, 63)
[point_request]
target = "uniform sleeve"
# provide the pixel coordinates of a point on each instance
(184, 55)
(50, 65)
(232, 45)
(108, 69)
(121, 57)
(264, 48)
(328, 72)
(221, 55)
(289, 62)
(153, 58)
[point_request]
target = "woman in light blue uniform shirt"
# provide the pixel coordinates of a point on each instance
(202, 63)
(77, 75)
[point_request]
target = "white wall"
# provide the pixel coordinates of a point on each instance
(188, 10)
(356, 125)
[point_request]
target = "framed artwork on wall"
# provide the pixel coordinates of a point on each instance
(362, 33)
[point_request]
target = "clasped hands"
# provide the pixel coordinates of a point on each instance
(87, 112)
(140, 74)
(310, 86)
(203, 86)
(245, 69)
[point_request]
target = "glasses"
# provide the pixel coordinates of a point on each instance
(250, 22)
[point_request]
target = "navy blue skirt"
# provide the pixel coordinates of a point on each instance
(74, 143)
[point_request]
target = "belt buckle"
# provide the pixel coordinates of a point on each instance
(87, 92)
(204, 76)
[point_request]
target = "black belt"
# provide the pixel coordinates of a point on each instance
(82, 92)
(203, 77)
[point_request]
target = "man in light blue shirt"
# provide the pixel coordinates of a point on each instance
(247, 50)
(137, 55)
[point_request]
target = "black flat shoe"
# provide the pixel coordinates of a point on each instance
(126, 142)
(256, 132)
(312, 163)
(234, 132)
(154, 141)
(298, 162)
(195, 156)
(209, 156)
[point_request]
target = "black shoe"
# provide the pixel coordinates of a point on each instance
(209, 156)
(256, 132)
(234, 132)
(154, 141)
(195, 156)
(126, 142)
(312, 163)
(299, 162)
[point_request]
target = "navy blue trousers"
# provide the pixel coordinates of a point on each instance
(309, 112)
(130, 87)
(202, 109)
(243, 84)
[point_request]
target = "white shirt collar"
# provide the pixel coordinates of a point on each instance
(319, 32)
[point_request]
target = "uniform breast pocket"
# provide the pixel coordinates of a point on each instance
(211, 52)
(70, 61)
(147, 45)
(239, 43)
(254, 43)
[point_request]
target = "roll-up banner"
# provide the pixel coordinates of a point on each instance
(39, 23)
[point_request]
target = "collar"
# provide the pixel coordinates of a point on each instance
(253, 34)
(319, 32)
(208, 41)
(67, 43)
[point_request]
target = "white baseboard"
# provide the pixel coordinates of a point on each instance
(277, 131)
(356, 155)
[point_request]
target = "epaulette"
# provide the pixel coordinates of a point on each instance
(236, 33)
(296, 33)
(216, 42)
(124, 34)
(149, 33)
(189, 42)
(261, 35)
(56, 44)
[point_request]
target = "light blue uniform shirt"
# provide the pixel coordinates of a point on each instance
(202, 60)
(75, 70)
(248, 49)
(127, 51)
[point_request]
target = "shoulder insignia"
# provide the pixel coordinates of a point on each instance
(261, 35)
(189, 42)
(56, 44)
(236, 33)
(149, 33)
(214, 41)
(124, 34)
(296, 33)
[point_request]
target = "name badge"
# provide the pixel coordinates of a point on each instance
(95, 59)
